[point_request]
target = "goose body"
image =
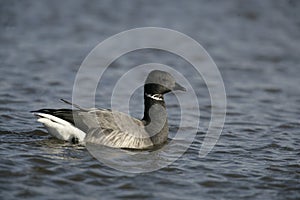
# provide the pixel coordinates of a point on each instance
(113, 128)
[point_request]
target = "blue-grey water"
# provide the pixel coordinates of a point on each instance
(255, 44)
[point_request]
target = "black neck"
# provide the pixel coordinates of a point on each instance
(155, 118)
(149, 101)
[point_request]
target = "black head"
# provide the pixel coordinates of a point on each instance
(160, 82)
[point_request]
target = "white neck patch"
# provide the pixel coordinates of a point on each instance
(157, 97)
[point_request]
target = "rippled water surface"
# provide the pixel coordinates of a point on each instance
(256, 46)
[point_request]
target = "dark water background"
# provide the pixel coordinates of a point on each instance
(256, 45)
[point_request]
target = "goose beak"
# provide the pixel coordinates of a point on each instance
(178, 87)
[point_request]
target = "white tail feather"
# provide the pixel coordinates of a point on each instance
(60, 128)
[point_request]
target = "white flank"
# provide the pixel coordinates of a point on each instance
(60, 128)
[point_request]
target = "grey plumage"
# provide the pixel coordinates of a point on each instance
(118, 130)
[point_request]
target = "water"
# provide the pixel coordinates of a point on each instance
(254, 44)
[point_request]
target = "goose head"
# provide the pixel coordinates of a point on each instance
(160, 82)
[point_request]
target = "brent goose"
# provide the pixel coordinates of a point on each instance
(112, 128)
